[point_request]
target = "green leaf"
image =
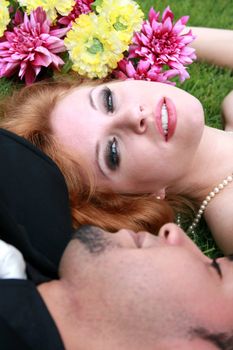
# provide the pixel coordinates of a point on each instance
(96, 47)
(67, 66)
(95, 4)
(119, 26)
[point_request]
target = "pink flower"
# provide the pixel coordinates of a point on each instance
(81, 6)
(143, 71)
(30, 46)
(161, 44)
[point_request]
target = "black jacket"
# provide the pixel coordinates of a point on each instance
(35, 218)
(34, 207)
(25, 322)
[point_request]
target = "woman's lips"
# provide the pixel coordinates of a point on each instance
(172, 117)
(171, 114)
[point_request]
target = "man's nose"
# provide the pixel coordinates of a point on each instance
(135, 118)
(175, 236)
(172, 234)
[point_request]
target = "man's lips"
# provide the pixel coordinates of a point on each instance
(172, 117)
(138, 238)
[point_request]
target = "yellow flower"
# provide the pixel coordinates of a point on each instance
(4, 16)
(93, 47)
(51, 7)
(124, 16)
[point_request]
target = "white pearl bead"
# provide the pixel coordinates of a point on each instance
(206, 201)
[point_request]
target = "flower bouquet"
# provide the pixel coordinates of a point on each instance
(93, 38)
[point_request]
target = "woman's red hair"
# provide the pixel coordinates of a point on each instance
(27, 113)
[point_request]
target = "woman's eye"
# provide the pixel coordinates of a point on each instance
(112, 157)
(108, 100)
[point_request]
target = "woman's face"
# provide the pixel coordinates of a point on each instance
(137, 136)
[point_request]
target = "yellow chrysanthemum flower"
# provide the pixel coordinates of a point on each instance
(93, 47)
(51, 7)
(125, 16)
(4, 16)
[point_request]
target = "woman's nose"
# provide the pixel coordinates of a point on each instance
(135, 118)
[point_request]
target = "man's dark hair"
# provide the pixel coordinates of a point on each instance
(223, 341)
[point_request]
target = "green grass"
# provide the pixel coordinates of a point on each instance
(208, 83)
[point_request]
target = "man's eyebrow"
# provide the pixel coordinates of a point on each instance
(92, 102)
(230, 257)
(216, 266)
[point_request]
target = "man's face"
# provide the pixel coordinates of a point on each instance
(151, 281)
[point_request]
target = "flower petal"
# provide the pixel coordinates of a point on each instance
(152, 15)
(130, 70)
(143, 66)
(167, 14)
(42, 60)
(30, 75)
(167, 25)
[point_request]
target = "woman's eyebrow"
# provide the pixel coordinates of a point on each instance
(98, 159)
(92, 102)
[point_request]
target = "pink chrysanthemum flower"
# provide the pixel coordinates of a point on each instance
(159, 45)
(30, 46)
(81, 6)
(143, 71)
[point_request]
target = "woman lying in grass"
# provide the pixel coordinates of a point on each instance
(131, 151)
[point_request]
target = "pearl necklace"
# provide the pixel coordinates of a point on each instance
(205, 202)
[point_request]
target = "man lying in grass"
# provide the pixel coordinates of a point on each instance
(129, 291)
